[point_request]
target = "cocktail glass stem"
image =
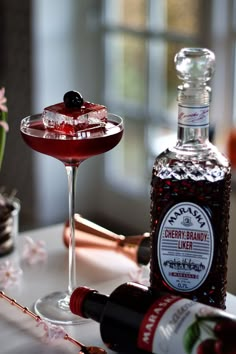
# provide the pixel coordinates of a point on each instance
(72, 176)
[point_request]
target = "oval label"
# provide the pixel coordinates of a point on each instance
(185, 246)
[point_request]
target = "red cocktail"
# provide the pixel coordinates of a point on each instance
(70, 132)
(71, 150)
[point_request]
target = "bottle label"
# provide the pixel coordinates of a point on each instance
(176, 325)
(193, 116)
(185, 246)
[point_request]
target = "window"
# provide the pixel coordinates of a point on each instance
(120, 53)
(141, 38)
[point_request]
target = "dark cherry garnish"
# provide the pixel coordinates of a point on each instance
(73, 99)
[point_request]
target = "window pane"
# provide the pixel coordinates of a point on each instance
(134, 12)
(159, 138)
(134, 148)
(131, 13)
(126, 75)
(234, 15)
(171, 77)
(125, 163)
(234, 101)
(163, 79)
(184, 16)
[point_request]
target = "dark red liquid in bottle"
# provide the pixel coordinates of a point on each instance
(213, 197)
(190, 195)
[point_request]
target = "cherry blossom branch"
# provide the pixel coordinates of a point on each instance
(3, 123)
(52, 332)
(138, 276)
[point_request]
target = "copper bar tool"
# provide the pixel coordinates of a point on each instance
(91, 235)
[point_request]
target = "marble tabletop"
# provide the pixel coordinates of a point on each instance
(101, 270)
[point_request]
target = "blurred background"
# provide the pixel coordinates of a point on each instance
(118, 53)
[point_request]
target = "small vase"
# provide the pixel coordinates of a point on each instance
(9, 225)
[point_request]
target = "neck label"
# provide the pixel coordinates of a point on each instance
(196, 117)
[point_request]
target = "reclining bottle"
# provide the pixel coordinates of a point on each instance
(134, 320)
(190, 195)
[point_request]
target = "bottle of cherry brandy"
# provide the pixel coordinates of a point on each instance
(135, 320)
(190, 195)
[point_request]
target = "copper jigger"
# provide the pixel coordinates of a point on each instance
(91, 235)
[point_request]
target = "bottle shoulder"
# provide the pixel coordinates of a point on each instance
(196, 163)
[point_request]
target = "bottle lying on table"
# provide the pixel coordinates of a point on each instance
(135, 319)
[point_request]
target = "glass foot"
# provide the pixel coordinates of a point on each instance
(55, 308)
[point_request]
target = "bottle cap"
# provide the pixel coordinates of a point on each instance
(77, 298)
(195, 64)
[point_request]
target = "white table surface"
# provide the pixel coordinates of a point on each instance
(101, 270)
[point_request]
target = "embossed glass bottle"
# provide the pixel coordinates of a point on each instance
(190, 195)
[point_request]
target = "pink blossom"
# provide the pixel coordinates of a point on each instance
(2, 200)
(137, 276)
(10, 274)
(3, 100)
(4, 125)
(52, 332)
(34, 251)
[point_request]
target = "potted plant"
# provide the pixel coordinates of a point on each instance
(9, 205)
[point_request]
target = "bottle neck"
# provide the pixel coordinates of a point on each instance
(193, 125)
(88, 303)
(193, 115)
(94, 305)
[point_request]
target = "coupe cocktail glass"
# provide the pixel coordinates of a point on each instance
(72, 151)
